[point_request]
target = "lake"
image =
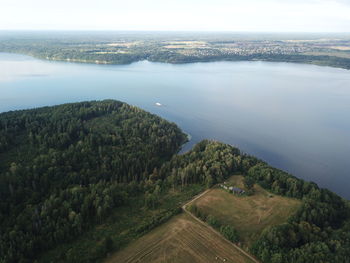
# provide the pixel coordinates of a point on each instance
(294, 116)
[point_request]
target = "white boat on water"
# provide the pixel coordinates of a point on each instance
(158, 104)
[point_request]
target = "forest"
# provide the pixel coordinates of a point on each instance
(65, 169)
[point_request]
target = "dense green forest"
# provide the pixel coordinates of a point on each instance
(66, 169)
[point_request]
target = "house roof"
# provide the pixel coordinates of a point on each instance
(236, 189)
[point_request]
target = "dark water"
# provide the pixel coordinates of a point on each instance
(294, 116)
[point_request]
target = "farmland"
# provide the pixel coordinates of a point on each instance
(180, 240)
(250, 215)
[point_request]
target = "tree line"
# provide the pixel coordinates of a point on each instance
(65, 168)
(318, 232)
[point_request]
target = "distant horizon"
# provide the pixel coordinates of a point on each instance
(180, 31)
(307, 16)
(176, 31)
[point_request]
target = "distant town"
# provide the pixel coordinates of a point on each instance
(127, 47)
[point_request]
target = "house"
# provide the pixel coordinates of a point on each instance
(234, 190)
(237, 190)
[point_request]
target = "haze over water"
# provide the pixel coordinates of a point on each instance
(294, 116)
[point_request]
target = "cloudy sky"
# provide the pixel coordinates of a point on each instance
(178, 15)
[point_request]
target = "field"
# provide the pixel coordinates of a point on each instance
(180, 240)
(120, 227)
(250, 215)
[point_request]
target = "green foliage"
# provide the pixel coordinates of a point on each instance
(208, 163)
(67, 167)
(316, 233)
(212, 221)
(248, 182)
(157, 220)
(123, 225)
(108, 244)
(195, 210)
(319, 229)
(230, 233)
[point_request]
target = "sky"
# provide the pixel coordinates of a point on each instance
(177, 15)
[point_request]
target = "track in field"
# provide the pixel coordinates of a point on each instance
(181, 240)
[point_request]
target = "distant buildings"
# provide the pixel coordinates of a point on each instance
(231, 189)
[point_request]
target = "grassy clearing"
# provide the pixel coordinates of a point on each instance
(180, 240)
(250, 215)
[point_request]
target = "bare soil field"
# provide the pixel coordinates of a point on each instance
(180, 240)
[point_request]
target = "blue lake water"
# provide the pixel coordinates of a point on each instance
(294, 116)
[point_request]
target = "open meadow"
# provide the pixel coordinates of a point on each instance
(250, 215)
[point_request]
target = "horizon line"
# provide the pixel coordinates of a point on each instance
(174, 31)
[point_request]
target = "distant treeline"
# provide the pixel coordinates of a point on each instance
(331, 61)
(86, 50)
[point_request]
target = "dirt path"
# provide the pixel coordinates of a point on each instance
(212, 229)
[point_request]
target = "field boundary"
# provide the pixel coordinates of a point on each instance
(212, 229)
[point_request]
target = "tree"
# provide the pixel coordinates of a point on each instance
(230, 233)
(108, 243)
(248, 182)
(209, 181)
(211, 220)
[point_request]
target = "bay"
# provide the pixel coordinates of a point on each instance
(294, 116)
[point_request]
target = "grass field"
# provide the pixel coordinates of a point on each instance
(250, 215)
(180, 240)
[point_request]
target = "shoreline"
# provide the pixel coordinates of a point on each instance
(320, 61)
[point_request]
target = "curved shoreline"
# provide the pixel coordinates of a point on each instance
(322, 61)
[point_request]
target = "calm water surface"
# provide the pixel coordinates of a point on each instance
(294, 116)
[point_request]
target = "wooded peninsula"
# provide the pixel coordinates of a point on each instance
(80, 181)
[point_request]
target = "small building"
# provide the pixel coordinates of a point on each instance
(237, 190)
